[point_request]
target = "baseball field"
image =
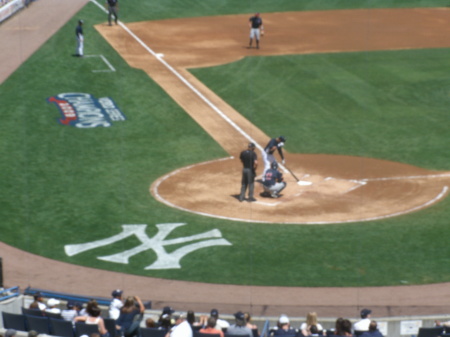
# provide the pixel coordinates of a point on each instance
(126, 160)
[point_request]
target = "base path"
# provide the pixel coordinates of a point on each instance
(341, 188)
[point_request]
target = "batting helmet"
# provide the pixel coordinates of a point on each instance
(274, 165)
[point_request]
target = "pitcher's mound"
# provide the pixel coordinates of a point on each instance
(341, 189)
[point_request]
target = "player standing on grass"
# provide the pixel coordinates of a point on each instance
(256, 29)
(249, 161)
(80, 39)
(113, 7)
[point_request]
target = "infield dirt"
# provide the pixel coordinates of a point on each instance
(343, 188)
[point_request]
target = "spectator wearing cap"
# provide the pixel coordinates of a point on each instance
(182, 328)
(52, 306)
(116, 304)
(284, 327)
(10, 333)
(70, 312)
(38, 302)
(240, 326)
(373, 331)
(363, 324)
(165, 319)
(221, 324)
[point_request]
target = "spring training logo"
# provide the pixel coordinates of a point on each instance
(84, 111)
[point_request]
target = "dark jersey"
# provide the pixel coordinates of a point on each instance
(256, 21)
(248, 158)
(112, 3)
(79, 30)
(270, 145)
(272, 176)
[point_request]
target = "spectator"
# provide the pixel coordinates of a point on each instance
(338, 327)
(182, 328)
(311, 319)
(150, 323)
(52, 306)
(89, 306)
(130, 316)
(221, 324)
(239, 327)
(10, 333)
(116, 304)
(373, 331)
(249, 324)
(284, 327)
(94, 317)
(445, 324)
(193, 321)
(38, 302)
(70, 312)
(165, 319)
(211, 327)
(346, 328)
(363, 324)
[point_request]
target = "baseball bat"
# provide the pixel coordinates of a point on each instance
(292, 173)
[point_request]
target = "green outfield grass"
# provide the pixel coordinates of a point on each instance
(65, 186)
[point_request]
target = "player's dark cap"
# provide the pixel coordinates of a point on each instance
(214, 313)
(282, 138)
(251, 145)
(80, 21)
(274, 165)
(365, 313)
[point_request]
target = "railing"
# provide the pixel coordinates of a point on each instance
(9, 293)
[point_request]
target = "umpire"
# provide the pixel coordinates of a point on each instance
(249, 161)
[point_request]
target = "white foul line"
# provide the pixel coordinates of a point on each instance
(111, 68)
(159, 57)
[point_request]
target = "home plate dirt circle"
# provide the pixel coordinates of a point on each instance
(343, 189)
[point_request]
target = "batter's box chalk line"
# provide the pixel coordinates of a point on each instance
(105, 60)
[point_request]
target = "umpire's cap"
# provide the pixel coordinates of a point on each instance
(251, 145)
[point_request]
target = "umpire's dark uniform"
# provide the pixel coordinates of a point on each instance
(249, 161)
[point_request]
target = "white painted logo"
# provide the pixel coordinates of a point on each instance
(164, 259)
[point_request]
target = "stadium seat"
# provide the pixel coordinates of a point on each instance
(82, 328)
(62, 328)
(430, 332)
(39, 324)
(110, 325)
(152, 332)
(358, 333)
(32, 312)
(14, 321)
(52, 315)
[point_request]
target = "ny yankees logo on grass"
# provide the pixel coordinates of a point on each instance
(164, 259)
